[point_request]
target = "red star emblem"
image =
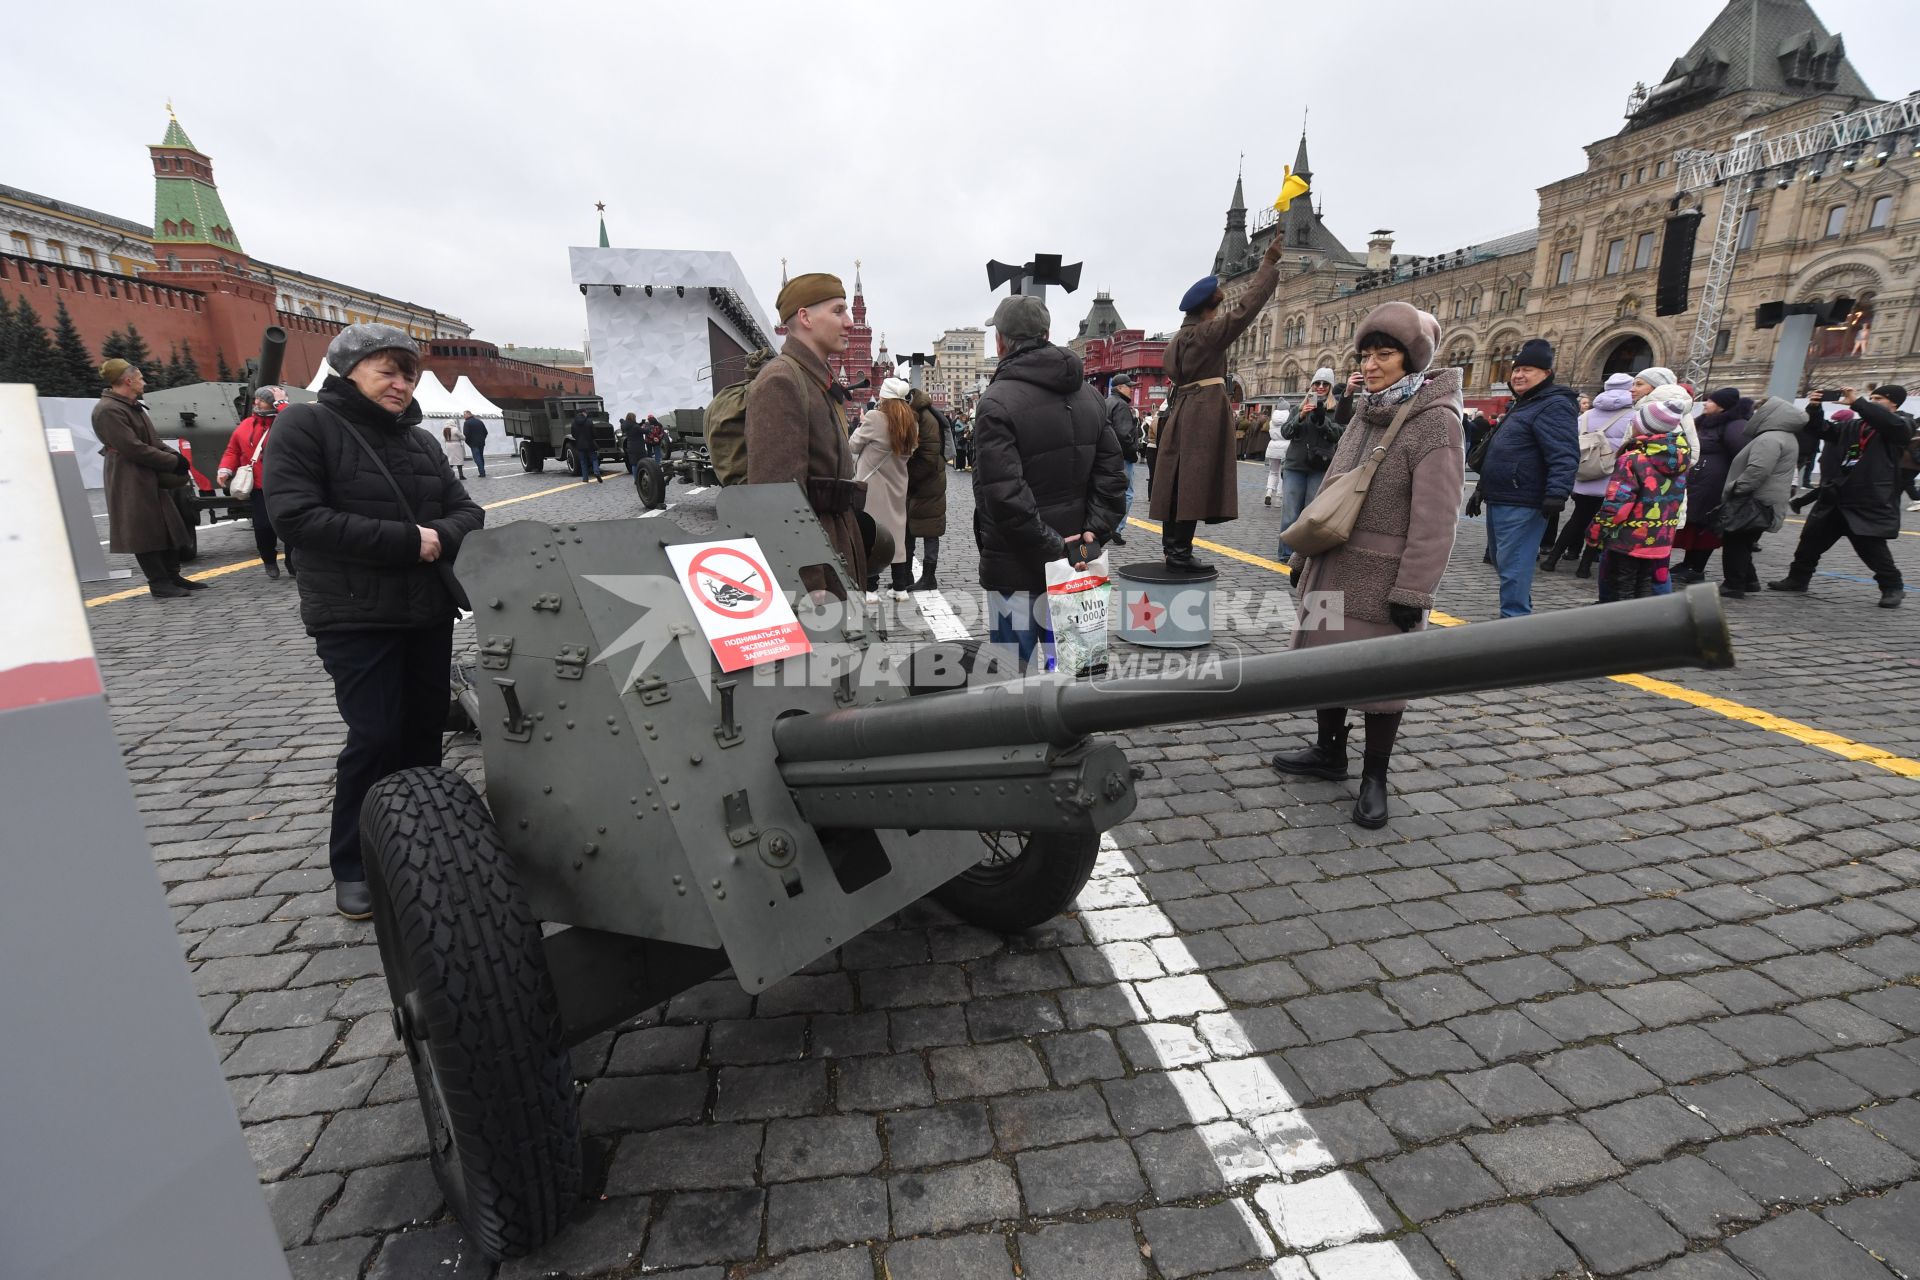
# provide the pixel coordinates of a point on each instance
(1144, 614)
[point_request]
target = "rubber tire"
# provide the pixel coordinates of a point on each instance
(531, 459)
(1049, 871)
(183, 501)
(463, 956)
(568, 462)
(650, 482)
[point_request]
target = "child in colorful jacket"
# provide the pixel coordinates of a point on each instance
(1635, 526)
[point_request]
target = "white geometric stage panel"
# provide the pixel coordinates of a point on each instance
(651, 354)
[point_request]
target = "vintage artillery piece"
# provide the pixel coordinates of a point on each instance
(687, 459)
(676, 829)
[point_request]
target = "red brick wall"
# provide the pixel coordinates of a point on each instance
(101, 302)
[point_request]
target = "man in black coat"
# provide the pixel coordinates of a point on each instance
(584, 448)
(1047, 479)
(377, 591)
(1125, 422)
(475, 433)
(1859, 494)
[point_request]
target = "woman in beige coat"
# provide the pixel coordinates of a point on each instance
(882, 443)
(1382, 580)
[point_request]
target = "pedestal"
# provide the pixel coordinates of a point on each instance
(1162, 608)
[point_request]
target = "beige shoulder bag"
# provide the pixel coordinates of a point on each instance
(1328, 521)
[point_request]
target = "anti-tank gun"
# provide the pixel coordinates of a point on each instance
(198, 420)
(651, 820)
(686, 458)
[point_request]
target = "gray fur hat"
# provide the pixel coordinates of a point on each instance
(358, 341)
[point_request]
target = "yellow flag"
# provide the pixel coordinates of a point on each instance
(1295, 185)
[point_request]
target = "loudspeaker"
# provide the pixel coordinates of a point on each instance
(1769, 314)
(1676, 264)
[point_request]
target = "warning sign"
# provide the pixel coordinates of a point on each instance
(742, 610)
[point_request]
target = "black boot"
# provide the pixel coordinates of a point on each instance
(1587, 556)
(272, 567)
(1550, 561)
(1789, 583)
(1890, 597)
(1177, 545)
(1326, 758)
(1370, 810)
(1118, 539)
(159, 578)
(929, 564)
(172, 560)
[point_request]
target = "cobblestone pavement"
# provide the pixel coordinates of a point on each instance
(1626, 987)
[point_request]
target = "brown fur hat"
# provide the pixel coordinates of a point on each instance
(1416, 330)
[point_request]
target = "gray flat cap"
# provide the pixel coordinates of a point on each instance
(358, 341)
(1022, 315)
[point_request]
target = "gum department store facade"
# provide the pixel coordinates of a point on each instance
(1584, 278)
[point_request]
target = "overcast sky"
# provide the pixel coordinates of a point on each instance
(449, 154)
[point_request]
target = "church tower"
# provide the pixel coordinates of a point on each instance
(1232, 257)
(189, 221)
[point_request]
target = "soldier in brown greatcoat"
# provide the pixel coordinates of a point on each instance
(795, 429)
(1193, 475)
(141, 515)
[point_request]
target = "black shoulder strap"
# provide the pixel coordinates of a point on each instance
(442, 566)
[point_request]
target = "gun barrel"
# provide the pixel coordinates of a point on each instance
(1681, 630)
(273, 356)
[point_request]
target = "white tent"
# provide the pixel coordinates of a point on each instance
(320, 375)
(434, 398)
(469, 397)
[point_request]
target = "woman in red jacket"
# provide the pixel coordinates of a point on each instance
(248, 446)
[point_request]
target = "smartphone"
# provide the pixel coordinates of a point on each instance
(1831, 393)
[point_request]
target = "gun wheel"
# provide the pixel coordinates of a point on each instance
(650, 480)
(474, 1008)
(1026, 879)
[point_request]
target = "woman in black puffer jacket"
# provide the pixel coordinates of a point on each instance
(1722, 427)
(376, 589)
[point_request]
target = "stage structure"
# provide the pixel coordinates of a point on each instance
(668, 327)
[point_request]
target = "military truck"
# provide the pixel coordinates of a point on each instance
(544, 429)
(199, 419)
(687, 459)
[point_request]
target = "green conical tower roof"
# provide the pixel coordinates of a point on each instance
(176, 136)
(187, 209)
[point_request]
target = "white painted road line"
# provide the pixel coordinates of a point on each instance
(1251, 1123)
(941, 619)
(658, 511)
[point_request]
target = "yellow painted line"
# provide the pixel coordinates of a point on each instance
(1844, 747)
(238, 565)
(1812, 737)
(538, 493)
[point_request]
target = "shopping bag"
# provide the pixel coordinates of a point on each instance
(1078, 602)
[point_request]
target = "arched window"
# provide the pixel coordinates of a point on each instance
(1461, 357)
(1836, 222)
(1882, 214)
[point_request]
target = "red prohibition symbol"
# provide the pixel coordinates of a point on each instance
(739, 594)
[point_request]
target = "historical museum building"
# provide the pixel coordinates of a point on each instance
(1837, 226)
(186, 283)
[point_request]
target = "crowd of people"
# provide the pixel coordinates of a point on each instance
(1618, 484)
